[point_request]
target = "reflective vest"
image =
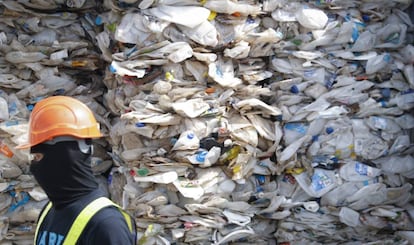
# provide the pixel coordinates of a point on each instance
(82, 220)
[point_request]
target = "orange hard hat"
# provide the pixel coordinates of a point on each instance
(60, 116)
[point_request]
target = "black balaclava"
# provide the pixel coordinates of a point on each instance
(64, 172)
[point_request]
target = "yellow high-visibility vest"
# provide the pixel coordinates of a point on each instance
(83, 218)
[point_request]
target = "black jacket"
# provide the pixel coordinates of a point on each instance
(108, 226)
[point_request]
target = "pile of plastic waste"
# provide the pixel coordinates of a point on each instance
(225, 122)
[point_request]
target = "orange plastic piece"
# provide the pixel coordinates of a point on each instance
(236, 14)
(79, 63)
(210, 90)
(362, 77)
(4, 149)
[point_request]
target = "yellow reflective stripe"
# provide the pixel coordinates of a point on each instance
(127, 219)
(41, 218)
(126, 216)
(83, 218)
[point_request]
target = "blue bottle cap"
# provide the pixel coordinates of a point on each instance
(386, 92)
(387, 58)
(201, 156)
(329, 130)
(112, 69)
(98, 20)
(139, 124)
(30, 107)
(294, 89)
(383, 103)
(366, 18)
(260, 179)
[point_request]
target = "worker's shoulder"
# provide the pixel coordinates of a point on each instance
(109, 211)
(106, 212)
(108, 218)
(108, 226)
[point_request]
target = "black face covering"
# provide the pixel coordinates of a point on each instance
(64, 172)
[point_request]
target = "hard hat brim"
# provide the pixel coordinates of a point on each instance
(23, 146)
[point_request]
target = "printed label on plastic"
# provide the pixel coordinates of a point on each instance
(321, 181)
(297, 127)
(379, 123)
(361, 169)
(288, 178)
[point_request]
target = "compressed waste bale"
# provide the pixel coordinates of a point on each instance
(258, 122)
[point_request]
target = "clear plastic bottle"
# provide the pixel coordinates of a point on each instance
(291, 149)
(24, 57)
(357, 171)
(188, 140)
(300, 88)
(405, 121)
(321, 182)
(338, 196)
(378, 63)
(144, 129)
(404, 100)
(198, 157)
(397, 164)
(293, 131)
(211, 157)
(349, 217)
(117, 68)
(386, 124)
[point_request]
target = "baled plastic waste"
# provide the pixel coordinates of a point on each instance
(260, 122)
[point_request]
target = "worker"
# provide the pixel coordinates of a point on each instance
(61, 130)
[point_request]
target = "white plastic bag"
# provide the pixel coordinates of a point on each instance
(132, 29)
(190, 16)
(205, 33)
(312, 18)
